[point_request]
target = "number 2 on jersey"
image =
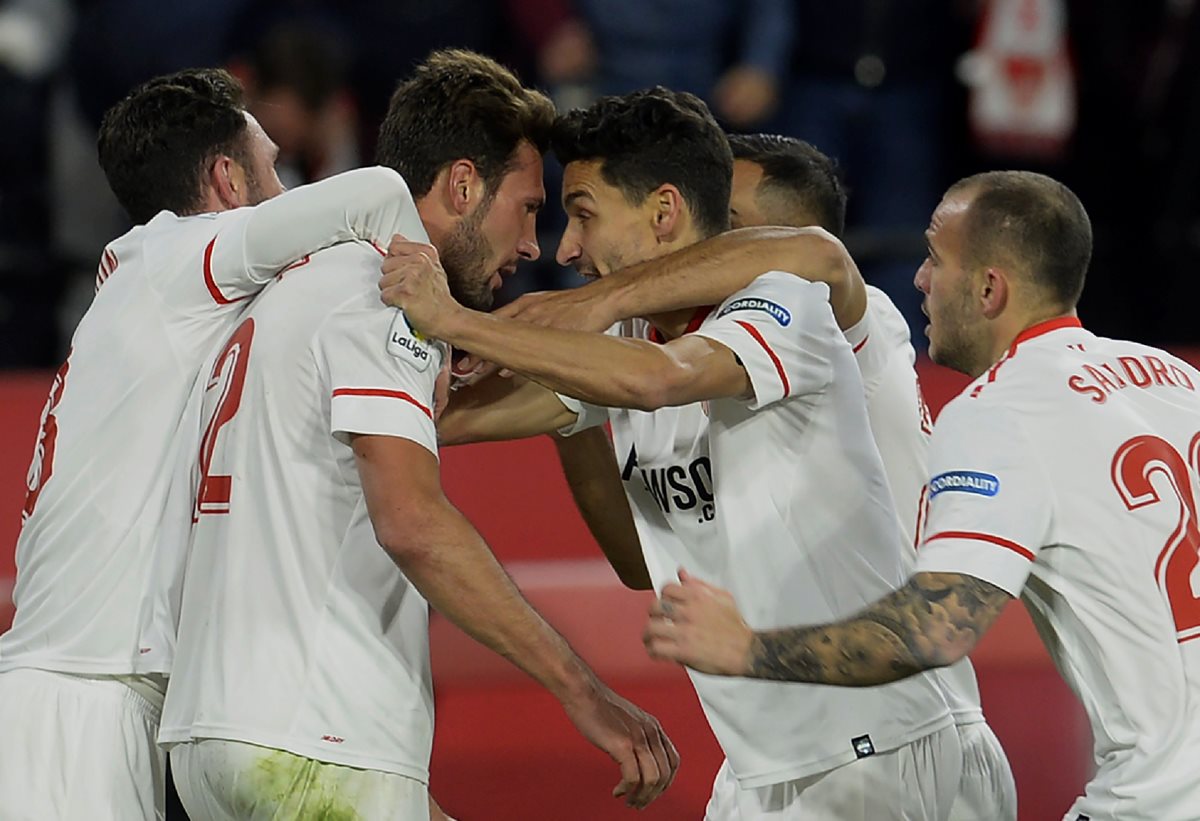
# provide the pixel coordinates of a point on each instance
(228, 377)
(43, 451)
(1177, 568)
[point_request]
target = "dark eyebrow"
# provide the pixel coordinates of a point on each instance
(575, 195)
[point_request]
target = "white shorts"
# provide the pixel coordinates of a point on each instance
(987, 791)
(222, 780)
(916, 782)
(78, 747)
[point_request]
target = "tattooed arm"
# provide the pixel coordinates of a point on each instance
(934, 620)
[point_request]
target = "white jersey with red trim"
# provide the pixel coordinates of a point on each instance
(297, 631)
(782, 501)
(1067, 475)
(901, 425)
(101, 545)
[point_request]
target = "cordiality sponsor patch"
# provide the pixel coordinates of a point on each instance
(964, 481)
(752, 303)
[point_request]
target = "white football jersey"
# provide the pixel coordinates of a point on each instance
(901, 425)
(782, 501)
(1067, 475)
(101, 543)
(297, 631)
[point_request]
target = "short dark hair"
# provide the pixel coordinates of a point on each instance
(156, 144)
(796, 171)
(1032, 221)
(650, 138)
(461, 105)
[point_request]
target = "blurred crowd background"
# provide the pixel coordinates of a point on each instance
(908, 95)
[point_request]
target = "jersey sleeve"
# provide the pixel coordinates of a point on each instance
(782, 330)
(989, 496)
(586, 415)
(369, 204)
(878, 339)
(379, 374)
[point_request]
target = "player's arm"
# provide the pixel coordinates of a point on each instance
(595, 368)
(496, 409)
(446, 559)
(370, 204)
(592, 473)
(703, 274)
(933, 621)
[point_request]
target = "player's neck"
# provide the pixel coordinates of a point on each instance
(673, 323)
(1010, 331)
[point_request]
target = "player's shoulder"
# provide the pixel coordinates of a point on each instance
(346, 274)
(886, 317)
(789, 300)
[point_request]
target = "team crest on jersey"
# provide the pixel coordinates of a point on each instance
(752, 303)
(964, 481)
(405, 343)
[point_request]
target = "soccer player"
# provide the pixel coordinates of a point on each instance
(746, 452)
(82, 669)
(1066, 474)
(302, 684)
(784, 181)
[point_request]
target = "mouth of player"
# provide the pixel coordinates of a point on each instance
(497, 279)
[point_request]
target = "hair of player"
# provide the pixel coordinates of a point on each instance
(1032, 222)
(461, 105)
(650, 138)
(797, 173)
(156, 144)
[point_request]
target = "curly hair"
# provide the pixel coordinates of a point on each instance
(650, 138)
(156, 144)
(461, 105)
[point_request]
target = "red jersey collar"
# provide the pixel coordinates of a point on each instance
(693, 324)
(1044, 328)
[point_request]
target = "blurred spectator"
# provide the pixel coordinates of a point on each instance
(732, 54)
(1135, 164)
(869, 85)
(33, 37)
(296, 84)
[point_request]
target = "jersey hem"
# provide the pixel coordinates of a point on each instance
(170, 736)
(90, 668)
(804, 770)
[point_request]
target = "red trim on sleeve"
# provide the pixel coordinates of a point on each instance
(693, 325)
(217, 296)
(750, 329)
(860, 345)
(386, 394)
(922, 513)
(983, 537)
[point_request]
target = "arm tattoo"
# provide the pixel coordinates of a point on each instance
(932, 621)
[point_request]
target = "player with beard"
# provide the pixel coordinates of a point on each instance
(746, 450)
(303, 685)
(1065, 473)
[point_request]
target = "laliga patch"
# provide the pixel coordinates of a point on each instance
(964, 481)
(406, 344)
(752, 303)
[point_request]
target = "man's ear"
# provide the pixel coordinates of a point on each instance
(465, 188)
(994, 291)
(667, 211)
(227, 180)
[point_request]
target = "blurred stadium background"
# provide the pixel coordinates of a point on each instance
(908, 95)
